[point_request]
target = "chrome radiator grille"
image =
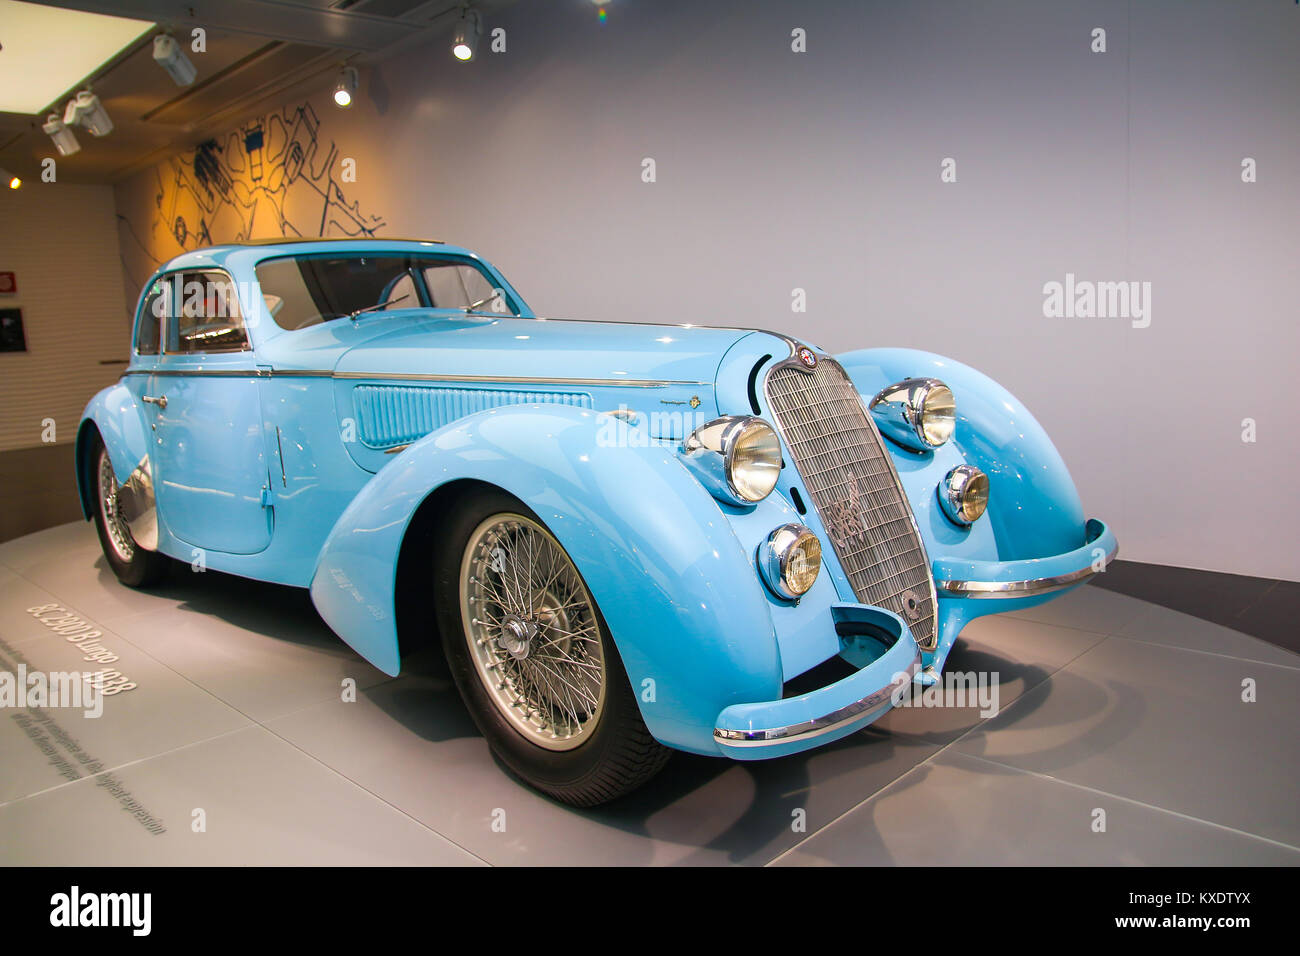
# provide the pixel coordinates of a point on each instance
(847, 472)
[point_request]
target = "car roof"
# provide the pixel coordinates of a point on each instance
(217, 255)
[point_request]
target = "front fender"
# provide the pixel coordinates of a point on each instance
(675, 585)
(1034, 508)
(115, 413)
(1033, 542)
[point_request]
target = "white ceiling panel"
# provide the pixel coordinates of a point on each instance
(45, 51)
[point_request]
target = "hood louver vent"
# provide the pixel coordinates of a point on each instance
(389, 415)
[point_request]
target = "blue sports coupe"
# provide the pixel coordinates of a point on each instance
(628, 537)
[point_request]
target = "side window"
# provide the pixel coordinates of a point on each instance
(146, 336)
(203, 314)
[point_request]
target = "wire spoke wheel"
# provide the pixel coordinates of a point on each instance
(119, 535)
(532, 631)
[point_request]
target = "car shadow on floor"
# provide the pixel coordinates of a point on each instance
(756, 803)
(270, 610)
(747, 812)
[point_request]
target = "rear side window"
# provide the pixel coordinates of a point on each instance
(200, 313)
(146, 335)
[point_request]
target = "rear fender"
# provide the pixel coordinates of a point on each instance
(115, 414)
(677, 589)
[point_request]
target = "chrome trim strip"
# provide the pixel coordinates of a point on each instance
(378, 241)
(510, 379)
(207, 372)
(404, 376)
(413, 377)
(279, 452)
(1027, 588)
(648, 325)
(817, 726)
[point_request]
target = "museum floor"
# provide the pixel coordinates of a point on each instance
(1107, 702)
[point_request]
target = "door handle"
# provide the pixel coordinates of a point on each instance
(160, 401)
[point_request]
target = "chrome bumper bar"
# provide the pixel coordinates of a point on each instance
(1079, 566)
(825, 724)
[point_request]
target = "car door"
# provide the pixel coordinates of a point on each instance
(146, 347)
(210, 467)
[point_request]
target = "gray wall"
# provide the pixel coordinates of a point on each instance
(60, 241)
(821, 171)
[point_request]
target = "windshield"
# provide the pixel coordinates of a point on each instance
(301, 291)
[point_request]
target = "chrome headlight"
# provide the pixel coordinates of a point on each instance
(738, 458)
(789, 561)
(918, 413)
(964, 494)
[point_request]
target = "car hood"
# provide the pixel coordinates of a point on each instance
(460, 347)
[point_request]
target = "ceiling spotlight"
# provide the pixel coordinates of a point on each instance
(64, 140)
(168, 54)
(468, 28)
(84, 109)
(9, 179)
(346, 87)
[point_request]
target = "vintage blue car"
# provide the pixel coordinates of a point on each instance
(628, 537)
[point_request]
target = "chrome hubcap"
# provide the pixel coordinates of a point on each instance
(516, 636)
(532, 632)
(119, 535)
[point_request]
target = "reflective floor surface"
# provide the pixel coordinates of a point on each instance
(1125, 733)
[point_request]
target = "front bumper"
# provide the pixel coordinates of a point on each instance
(1028, 578)
(778, 727)
(775, 728)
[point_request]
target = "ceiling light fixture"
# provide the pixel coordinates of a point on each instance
(49, 50)
(168, 54)
(346, 88)
(468, 29)
(87, 111)
(64, 140)
(9, 179)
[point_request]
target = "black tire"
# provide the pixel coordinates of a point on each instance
(143, 568)
(618, 754)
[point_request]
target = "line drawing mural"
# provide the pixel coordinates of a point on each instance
(271, 177)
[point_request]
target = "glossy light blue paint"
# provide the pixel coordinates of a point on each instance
(1034, 520)
(273, 470)
(673, 581)
(115, 413)
(1034, 509)
(210, 454)
(889, 669)
(1100, 543)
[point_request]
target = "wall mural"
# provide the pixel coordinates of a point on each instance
(274, 176)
